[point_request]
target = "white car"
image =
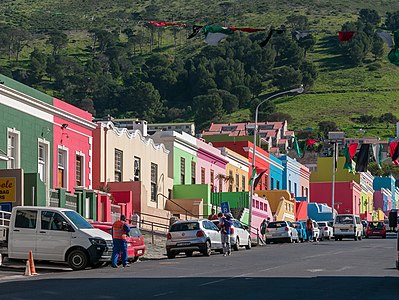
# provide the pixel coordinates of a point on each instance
(326, 230)
(193, 235)
(281, 231)
(316, 232)
(240, 236)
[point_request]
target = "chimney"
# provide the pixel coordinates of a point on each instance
(140, 125)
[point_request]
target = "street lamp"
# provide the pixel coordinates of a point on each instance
(297, 90)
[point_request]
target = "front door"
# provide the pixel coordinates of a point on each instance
(53, 237)
(23, 235)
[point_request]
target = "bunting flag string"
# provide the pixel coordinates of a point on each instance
(377, 153)
(164, 24)
(349, 153)
(345, 36)
(394, 152)
(363, 158)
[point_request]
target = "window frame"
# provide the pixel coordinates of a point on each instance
(14, 150)
(118, 165)
(63, 151)
(154, 181)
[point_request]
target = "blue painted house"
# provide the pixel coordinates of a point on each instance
(319, 211)
(291, 175)
(276, 173)
(387, 182)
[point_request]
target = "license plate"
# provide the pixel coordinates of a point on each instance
(376, 232)
(140, 252)
(183, 244)
(344, 229)
(276, 234)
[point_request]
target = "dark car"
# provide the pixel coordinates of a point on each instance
(376, 228)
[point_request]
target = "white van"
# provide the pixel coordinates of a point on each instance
(55, 234)
(347, 226)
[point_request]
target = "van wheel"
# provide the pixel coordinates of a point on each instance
(171, 254)
(189, 253)
(77, 260)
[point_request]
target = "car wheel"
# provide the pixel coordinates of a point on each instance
(249, 246)
(290, 240)
(384, 236)
(236, 247)
(355, 238)
(208, 250)
(77, 260)
(336, 238)
(220, 251)
(301, 239)
(189, 253)
(134, 259)
(171, 254)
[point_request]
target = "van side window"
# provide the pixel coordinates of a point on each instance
(358, 220)
(26, 219)
(52, 221)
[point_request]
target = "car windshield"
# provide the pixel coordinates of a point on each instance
(321, 224)
(344, 220)
(376, 225)
(296, 224)
(77, 219)
(184, 226)
(134, 231)
(277, 225)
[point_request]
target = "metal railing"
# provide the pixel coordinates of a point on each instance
(187, 212)
(259, 240)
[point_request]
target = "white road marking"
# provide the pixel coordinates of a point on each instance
(315, 270)
(163, 294)
(221, 280)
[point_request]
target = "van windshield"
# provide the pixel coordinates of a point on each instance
(344, 220)
(77, 219)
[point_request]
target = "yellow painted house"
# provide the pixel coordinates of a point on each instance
(281, 204)
(237, 170)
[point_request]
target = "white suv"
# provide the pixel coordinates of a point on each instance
(326, 230)
(281, 231)
(193, 235)
(348, 226)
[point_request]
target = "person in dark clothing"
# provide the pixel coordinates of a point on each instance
(226, 228)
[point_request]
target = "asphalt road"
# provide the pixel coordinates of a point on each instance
(324, 270)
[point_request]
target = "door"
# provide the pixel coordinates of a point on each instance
(214, 233)
(241, 233)
(23, 235)
(53, 237)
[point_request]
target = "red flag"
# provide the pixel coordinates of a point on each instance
(352, 149)
(310, 142)
(345, 36)
(246, 29)
(394, 152)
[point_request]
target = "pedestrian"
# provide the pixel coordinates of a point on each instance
(213, 215)
(263, 227)
(120, 230)
(226, 226)
(220, 218)
(309, 229)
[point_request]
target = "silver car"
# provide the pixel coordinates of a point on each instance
(281, 231)
(193, 235)
(240, 236)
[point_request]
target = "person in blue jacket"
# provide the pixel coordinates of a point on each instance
(120, 230)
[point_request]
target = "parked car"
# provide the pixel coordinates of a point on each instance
(193, 235)
(281, 231)
(135, 242)
(376, 228)
(240, 235)
(300, 227)
(347, 226)
(326, 230)
(316, 232)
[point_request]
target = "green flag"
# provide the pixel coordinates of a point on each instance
(252, 176)
(349, 163)
(296, 147)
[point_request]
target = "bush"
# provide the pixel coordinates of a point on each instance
(374, 67)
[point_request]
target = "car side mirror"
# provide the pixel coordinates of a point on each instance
(67, 227)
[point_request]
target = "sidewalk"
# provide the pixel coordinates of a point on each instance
(156, 250)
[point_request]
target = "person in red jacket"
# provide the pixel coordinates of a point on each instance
(120, 229)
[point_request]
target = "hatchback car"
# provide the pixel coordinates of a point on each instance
(376, 228)
(326, 230)
(300, 227)
(239, 237)
(281, 231)
(193, 235)
(135, 242)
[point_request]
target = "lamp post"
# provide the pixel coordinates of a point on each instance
(297, 90)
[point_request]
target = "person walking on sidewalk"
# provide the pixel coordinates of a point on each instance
(263, 227)
(120, 229)
(226, 232)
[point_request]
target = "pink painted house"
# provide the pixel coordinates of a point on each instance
(261, 210)
(347, 195)
(72, 149)
(211, 166)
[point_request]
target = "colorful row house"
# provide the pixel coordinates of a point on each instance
(46, 147)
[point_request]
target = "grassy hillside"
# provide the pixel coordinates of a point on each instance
(341, 93)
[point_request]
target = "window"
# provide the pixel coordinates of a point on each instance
(62, 176)
(295, 188)
(220, 177)
(306, 191)
(237, 181)
(266, 181)
(52, 221)
(243, 180)
(43, 161)
(289, 186)
(13, 149)
(26, 219)
(79, 170)
(303, 192)
(182, 170)
(118, 165)
(193, 170)
(277, 184)
(202, 175)
(261, 206)
(154, 176)
(231, 179)
(212, 180)
(136, 168)
(271, 183)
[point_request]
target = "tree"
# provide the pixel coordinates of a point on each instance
(243, 94)
(378, 46)
(279, 117)
(207, 109)
(309, 73)
(19, 38)
(369, 16)
(392, 21)
(37, 66)
(389, 118)
(287, 77)
(358, 48)
(264, 111)
(298, 22)
(58, 40)
(230, 102)
(326, 126)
